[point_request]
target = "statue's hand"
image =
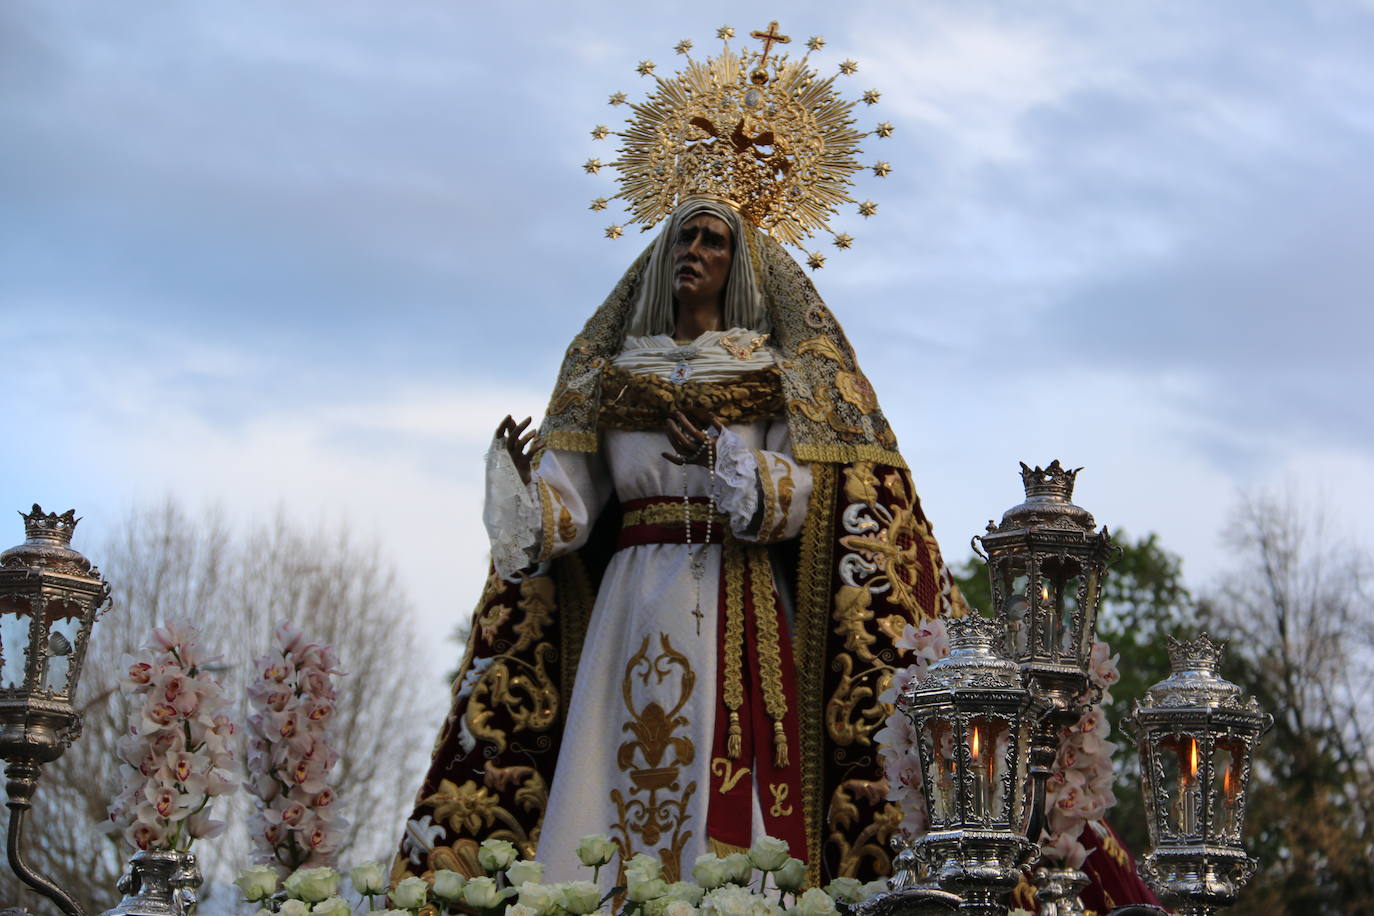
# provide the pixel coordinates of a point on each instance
(690, 445)
(522, 448)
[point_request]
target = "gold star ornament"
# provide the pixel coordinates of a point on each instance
(815, 43)
(618, 98)
(614, 232)
(645, 68)
(725, 33)
(816, 260)
(871, 97)
(600, 132)
(868, 208)
(844, 240)
(884, 129)
(849, 67)
(599, 204)
(882, 169)
(682, 47)
(592, 166)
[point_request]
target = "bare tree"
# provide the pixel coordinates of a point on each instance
(1298, 614)
(163, 563)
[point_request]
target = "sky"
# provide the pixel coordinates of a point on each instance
(307, 255)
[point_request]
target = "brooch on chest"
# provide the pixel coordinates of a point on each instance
(743, 350)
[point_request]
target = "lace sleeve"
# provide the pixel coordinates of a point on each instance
(511, 515)
(736, 486)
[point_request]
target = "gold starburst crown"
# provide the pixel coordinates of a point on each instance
(764, 132)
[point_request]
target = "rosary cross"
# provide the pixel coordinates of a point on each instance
(769, 37)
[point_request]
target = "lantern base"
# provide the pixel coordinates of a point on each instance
(981, 866)
(1198, 880)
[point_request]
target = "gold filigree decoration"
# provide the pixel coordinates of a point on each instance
(654, 810)
(743, 350)
(645, 401)
(525, 692)
(780, 808)
(770, 652)
(670, 513)
(763, 131)
(786, 487)
(733, 562)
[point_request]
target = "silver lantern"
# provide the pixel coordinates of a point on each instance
(970, 718)
(50, 596)
(1196, 734)
(1047, 562)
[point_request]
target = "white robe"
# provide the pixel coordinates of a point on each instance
(636, 753)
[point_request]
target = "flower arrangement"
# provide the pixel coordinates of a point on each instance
(1080, 787)
(733, 885)
(290, 755)
(178, 748)
(928, 642)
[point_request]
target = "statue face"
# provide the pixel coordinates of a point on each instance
(702, 254)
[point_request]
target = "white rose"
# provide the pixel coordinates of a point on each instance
(727, 901)
(768, 853)
(738, 868)
(642, 890)
(334, 906)
(814, 902)
(312, 884)
(643, 868)
(294, 908)
(680, 908)
(410, 893)
(519, 909)
(709, 871)
(685, 891)
(496, 855)
(542, 899)
(580, 897)
(257, 882)
(791, 877)
(368, 878)
(448, 885)
(481, 893)
(846, 890)
(595, 849)
(522, 871)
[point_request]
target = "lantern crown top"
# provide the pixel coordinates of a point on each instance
(972, 630)
(1054, 482)
(50, 526)
(1201, 654)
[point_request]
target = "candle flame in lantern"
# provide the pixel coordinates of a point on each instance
(1226, 782)
(975, 745)
(1192, 757)
(1044, 593)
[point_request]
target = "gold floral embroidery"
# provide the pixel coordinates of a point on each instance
(644, 401)
(857, 390)
(524, 691)
(655, 808)
(536, 603)
(567, 531)
(491, 620)
(548, 536)
(670, 513)
(786, 487)
(733, 563)
(871, 842)
(770, 496)
(853, 712)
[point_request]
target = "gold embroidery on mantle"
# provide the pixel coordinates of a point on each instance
(633, 401)
(871, 842)
(523, 691)
(655, 808)
(729, 774)
(786, 486)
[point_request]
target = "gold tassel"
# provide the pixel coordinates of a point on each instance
(732, 743)
(779, 746)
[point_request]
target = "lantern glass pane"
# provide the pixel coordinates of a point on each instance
(1179, 791)
(988, 738)
(1059, 597)
(1015, 596)
(938, 735)
(62, 632)
(1228, 758)
(16, 614)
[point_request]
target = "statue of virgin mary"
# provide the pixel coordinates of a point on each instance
(694, 596)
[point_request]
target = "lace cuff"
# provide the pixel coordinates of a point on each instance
(511, 515)
(736, 486)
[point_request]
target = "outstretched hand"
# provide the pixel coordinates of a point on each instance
(690, 445)
(521, 448)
